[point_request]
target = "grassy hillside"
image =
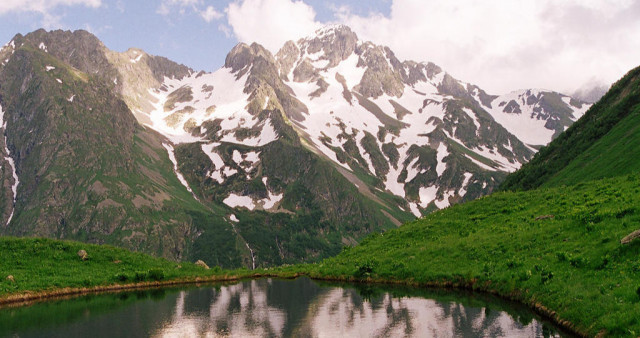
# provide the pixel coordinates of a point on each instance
(615, 154)
(571, 262)
(600, 144)
(38, 264)
(89, 172)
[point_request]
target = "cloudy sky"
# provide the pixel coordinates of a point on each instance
(501, 45)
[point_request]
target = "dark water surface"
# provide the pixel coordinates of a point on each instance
(275, 308)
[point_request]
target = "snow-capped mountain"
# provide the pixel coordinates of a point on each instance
(270, 159)
(405, 128)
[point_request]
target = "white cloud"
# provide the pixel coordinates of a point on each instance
(42, 6)
(501, 45)
(505, 45)
(225, 29)
(210, 14)
(271, 22)
(163, 9)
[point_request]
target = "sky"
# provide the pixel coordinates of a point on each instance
(500, 45)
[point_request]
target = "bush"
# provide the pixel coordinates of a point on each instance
(122, 277)
(364, 269)
(156, 274)
(140, 276)
(546, 276)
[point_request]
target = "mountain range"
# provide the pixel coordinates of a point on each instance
(271, 159)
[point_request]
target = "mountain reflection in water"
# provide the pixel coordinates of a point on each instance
(276, 308)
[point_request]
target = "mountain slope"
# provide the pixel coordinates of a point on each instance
(403, 132)
(562, 248)
(84, 168)
(601, 144)
(271, 159)
(112, 180)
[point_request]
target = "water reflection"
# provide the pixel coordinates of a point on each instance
(275, 308)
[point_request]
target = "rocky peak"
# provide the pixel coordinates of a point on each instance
(337, 42)
(383, 71)
(243, 55)
(80, 49)
(161, 67)
(286, 58)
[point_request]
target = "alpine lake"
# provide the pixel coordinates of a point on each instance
(276, 308)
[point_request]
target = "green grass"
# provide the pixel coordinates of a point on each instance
(38, 264)
(616, 153)
(572, 263)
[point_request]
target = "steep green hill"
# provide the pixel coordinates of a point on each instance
(603, 143)
(558, 248)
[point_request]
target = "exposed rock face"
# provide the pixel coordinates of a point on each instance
(287, 56)
(380, 76)
(336, 43)
(243, 55)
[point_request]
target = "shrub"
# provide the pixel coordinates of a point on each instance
(156, 274)
(140, 276)
(578, 262)
(122, 277)
(364, 269)
(546, 276)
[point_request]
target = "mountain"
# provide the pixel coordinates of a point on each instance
(78, 165)
(601, 144)
(562, 238)
(403, 132)
(272, 159)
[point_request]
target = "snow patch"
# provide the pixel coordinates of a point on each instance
(172, 157)
(217, 161)
(49, 68)
(414, 209)
(272, 199)
(136, 59)
(228, 172)
(480, 164)
(8, 158)
(59, 81)
(233, 218)
(237, 157)
(465, 183)
(412, 171)
(42, 46)
(444, 202)
(70, 99)
(442, 153)
(427, 195)
(235, 200)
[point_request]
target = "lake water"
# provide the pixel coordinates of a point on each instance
(275, 308)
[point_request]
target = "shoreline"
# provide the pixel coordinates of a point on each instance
(28, 298)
